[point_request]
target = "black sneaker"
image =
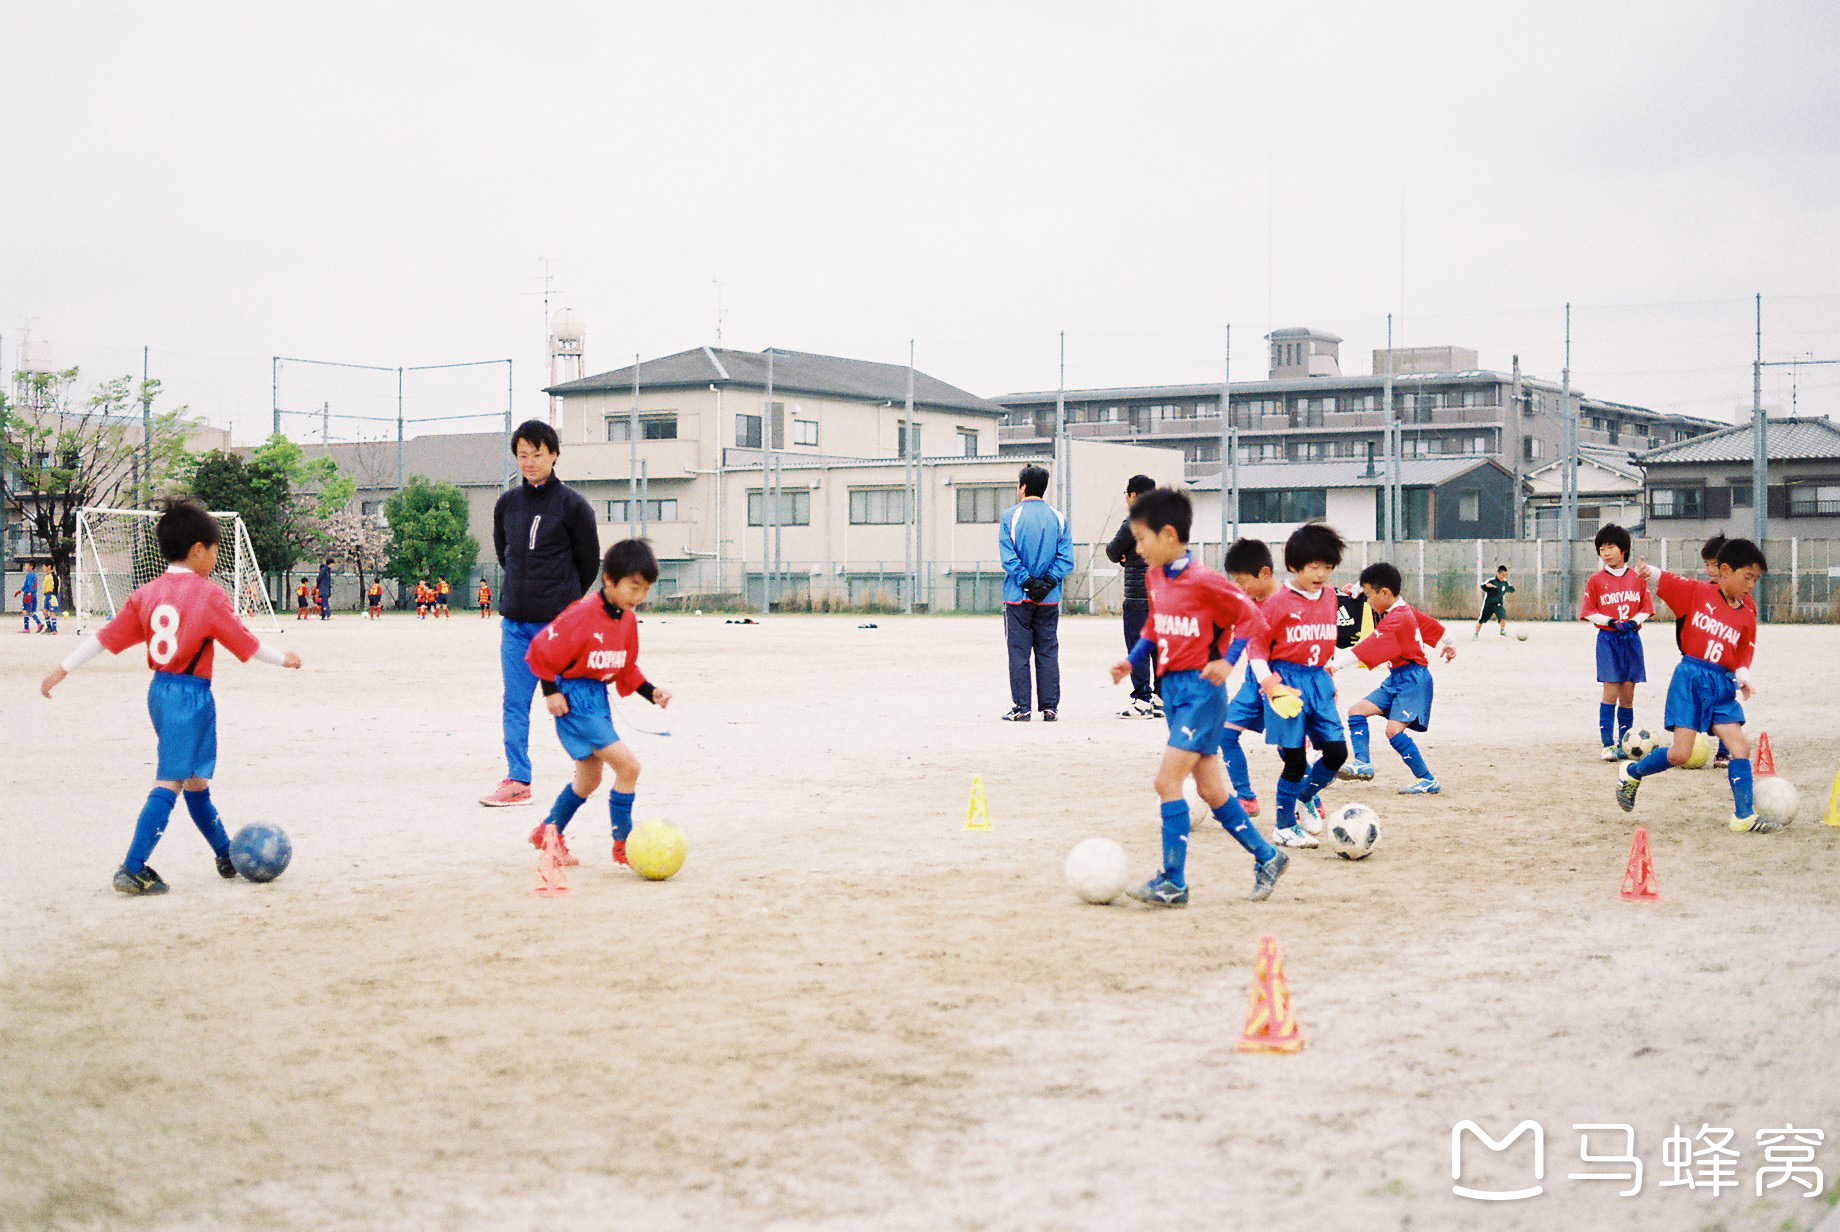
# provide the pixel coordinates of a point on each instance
(1048, 716)
(144, 882)
(225, 869)
(1016, 715)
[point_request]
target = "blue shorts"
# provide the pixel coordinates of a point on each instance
(1405, 696)
(1247, 709)
(1619, 658)
(184, 715)
(1700, 695)
(1319, 721)
(588, 726)
(1195, 710)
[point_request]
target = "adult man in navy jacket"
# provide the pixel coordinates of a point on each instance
(1036, 549)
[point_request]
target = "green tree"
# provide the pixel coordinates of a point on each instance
(284, 497)
(428, 538)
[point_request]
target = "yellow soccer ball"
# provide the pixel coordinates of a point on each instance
(655, 849)
(1701, 754)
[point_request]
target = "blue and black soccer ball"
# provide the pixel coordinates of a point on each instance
(261, 851)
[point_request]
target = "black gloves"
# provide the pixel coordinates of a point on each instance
(1039, 588)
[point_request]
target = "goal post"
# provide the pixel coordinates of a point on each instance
(116, 551)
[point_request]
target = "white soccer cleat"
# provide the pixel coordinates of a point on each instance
(1609, 753)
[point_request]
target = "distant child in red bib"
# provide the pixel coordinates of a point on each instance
(1617, 601)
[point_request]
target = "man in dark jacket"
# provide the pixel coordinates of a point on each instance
(325, 589)
(543, 532)
(1122, 550)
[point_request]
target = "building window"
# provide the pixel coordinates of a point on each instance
(878, 506)
(651, 511)
(1531, 449)
(652, 427)
(1740, 496)
(1810, 500)
(370, 509)
(968, 442)
(804, 432)
(1676, 503)
(747, 431)
(793, 508)
(1469, 506)
(980, 504)
(1287, 506)
(901, 442)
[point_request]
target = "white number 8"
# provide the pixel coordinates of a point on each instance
(164, 643)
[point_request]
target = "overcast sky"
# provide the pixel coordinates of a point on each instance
(381, 183)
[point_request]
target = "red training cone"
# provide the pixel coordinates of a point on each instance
(552, 882)
(1639, 874)
(1764, 762)
(1270, 1025)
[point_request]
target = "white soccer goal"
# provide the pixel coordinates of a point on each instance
(116, 552)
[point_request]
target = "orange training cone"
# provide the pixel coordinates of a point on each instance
(552, 882)
(1270, 1025)
(1765, 762)
(1639, 875)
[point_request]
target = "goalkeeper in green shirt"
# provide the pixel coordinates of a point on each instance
(1495, 594)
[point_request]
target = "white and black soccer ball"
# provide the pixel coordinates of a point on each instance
(1353, 831)
(1639, 742)
(1097, 870)
(1776, 799)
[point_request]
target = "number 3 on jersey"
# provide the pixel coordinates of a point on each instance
(164, 643)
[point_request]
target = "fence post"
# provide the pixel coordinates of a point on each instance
(1421, 574)
(1539, 575)
(1795, 574)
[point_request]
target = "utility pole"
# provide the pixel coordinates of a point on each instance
(632, 449)
(399, 429)
(767, 512)
(325, 423)
(1386, 436)
(274, 394)
(907, 491)
(146, 484)
(1760, 455)
(1568, 500)
(1229, 457)
(1514, 417)
(1060, 432)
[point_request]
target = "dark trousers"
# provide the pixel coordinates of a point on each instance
(1034, 627)
(1136, 612)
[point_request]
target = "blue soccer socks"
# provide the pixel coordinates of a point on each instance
(1657, 761)
(619, 808)
(1288, 792)
(204, 816)
(1233, 820)
(151, 824)
(1175, 840)
(1408, 753)
(563, 810)
(1625, 719)
(1320, 776)
(1235, 757)
(1606, 718)
(1740, 773)
(1357, 737)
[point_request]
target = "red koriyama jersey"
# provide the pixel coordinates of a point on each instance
(1399, 637)
(1710, 628)
(1194, 614)
(1302, 628)
(591, 640)
(180, 615)
(1616, 596)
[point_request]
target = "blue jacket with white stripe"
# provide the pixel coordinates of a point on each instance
(1033, 541)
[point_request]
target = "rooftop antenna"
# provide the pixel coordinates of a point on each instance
(720, 313)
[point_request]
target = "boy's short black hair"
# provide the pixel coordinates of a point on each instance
(1034, 480)
(1709, 550)
(1382, 576)
(1160, 507)
(1615, 536)
(1313, 542)
(1137, 485)
(1501, 568)
(1248, 557)
(630, 557)
(539, 434)
(1741, 554)
(182, 524)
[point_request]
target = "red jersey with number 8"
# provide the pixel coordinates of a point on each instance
(1194, 614)
(1710, 628)
(180, 615)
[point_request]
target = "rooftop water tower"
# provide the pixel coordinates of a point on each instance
(567, 336)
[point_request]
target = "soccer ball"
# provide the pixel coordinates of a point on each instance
(1639, 743)
(1776, 799)
(1354, 831)
(1701, 754)
(261, 851)
(1097, 870)
(1522, 635)
(655, 849)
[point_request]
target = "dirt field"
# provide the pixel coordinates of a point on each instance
(848, 1012)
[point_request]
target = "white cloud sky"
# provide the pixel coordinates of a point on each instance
(379, 183)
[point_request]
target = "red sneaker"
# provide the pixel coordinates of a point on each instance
(507, 793)
(619, 851)
(536, 840)
(1251, 806)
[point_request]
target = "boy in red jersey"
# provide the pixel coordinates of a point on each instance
(485, 600)
(180, 615)
(376, 598)
(595, 643)
(440, 594)
(1718, 633)
(300, 600)
(1194, 614)
(1617, 601)
(1248, 566)
(1709, 557)
(1399, 639)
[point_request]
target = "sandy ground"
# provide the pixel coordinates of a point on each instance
(847, 1011)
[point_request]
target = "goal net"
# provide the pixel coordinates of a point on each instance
(116, 552)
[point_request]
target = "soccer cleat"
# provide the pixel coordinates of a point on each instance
(1156, 707)
(1427, 786)
(144, 882)
(1311, 815)
(1160, 891)
(1754, 825)
(619, 852)
(1250, 804)
(1721, 761)
(1626, 788)
(1048, 716)
(1138, 709)
(1292, 836)
(1265, 875)
(536, 840)
(1362, 771)
(225, 869)
(1017, 714)
(1609, 754)
(508, 793)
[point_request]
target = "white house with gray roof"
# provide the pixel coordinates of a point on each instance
(1702, 486)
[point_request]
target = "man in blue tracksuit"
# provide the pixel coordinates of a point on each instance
(1036, 549)
(544, 533)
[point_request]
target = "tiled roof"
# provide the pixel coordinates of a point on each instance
(1785, 440)
(1413, 472)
